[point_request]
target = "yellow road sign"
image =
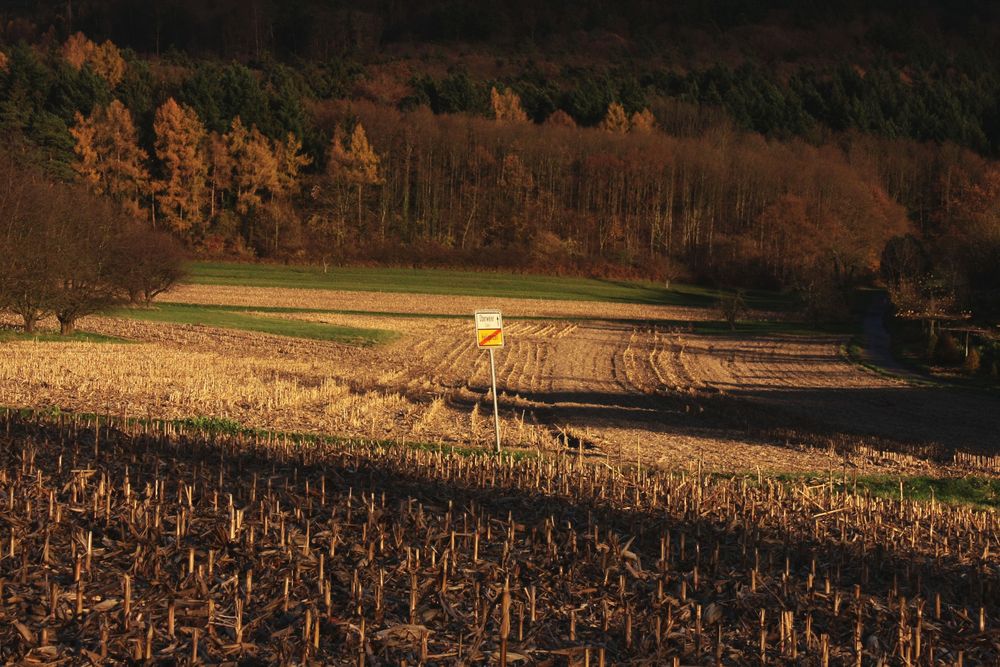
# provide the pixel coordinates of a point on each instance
(489, 329)
(489, 337)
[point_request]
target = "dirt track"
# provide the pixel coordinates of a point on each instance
(664, 393)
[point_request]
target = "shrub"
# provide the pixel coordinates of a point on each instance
(732, 307)
(972, 361)
(990, 360)
(948, 351)
(932, 343)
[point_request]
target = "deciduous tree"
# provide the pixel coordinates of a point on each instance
(290, 162)
(642, 121)
(71, 253)
(77, 50)
(616, 120)
(354, 162)
(255, 169)
(180, 148)
(111, 161)
(507, 106)
(28, 217)
(85, 257)
(560, 118)
(105, 59)
(150, 264)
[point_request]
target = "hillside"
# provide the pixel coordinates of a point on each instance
(768, 144)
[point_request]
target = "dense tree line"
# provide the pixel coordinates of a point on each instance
(729, 205)
(926, 71)
(320, 28)
(68, 253)
(616, 172)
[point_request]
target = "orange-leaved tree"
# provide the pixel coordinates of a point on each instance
(255, 169)
(180, 148)
(643, 121)
(354, 162)
(105, 59)
(616, 120)
(290, 162)
(560, 118)
(110, 159)
(507, 106)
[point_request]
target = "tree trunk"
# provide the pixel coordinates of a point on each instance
(29, 323)
(359, 206)
(67, 326)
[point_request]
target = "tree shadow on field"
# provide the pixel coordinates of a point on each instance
(724, 544)
(901, 417)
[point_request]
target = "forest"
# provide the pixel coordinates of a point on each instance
(663, 140)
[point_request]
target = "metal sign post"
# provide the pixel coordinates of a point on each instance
(496, 406)
(489, 335)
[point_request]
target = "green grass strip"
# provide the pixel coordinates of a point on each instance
(468, 283)
(179, 313)
(10, 336)
(983, 492)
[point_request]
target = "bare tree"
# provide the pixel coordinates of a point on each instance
(84, 262)
(26, 206)
(70, 253)
(147, 264)
(732, 306)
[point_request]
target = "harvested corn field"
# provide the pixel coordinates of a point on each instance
(665, 393)
(126, 542)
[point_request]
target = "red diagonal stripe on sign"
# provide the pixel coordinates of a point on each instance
(496, 332)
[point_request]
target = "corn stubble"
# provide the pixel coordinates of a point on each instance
(123, 542)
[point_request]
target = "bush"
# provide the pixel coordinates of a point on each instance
(732, 307)
(990, 360)
(972, 361)
(932, 343)
(948, 352)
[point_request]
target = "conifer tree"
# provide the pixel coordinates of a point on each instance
(290, 161)
(507, 106)
(111, 161)
(220, 169)
(616, 119)
(354, 162)
(255, 170)
(105, 59)
(180, 148)
(643, 121)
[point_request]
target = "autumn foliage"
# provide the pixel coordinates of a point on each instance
(507, 106)
(180, 148)
(110, 159)
(459, 170)
(104, 59)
